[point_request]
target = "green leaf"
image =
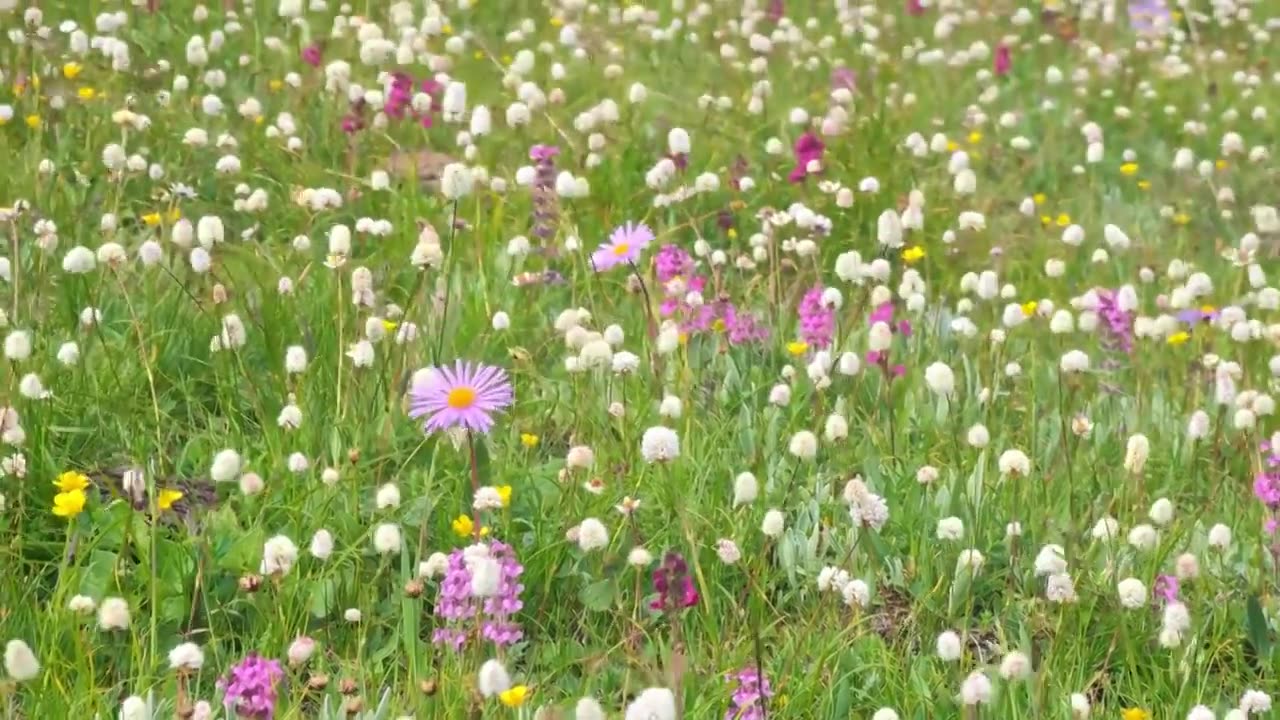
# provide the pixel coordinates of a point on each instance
(599, 595)
(1259, 633)
(322, 596)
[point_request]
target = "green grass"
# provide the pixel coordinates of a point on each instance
(149, 393)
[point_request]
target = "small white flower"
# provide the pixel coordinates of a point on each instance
(948, 646)
(186, 657)
(774, 523)
(1133, 594)
(592, 535)
(659, 444)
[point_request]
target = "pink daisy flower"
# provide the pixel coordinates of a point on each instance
(464, 395)
(624, 246)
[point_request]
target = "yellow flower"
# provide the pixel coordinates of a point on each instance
(275, 85)
(732, 233)
(1046, 220)
(478, 55)
(1135, 714)
(1178, 338)
(514, 697)
(71, 481)
(68, 504)
(557, 21)
(463, 526)
(447, 29)
(718, 325)
(975, 137)
(1063, 220)
(797, 348)
(1029, 308)
(529, 440)
(33, 121)
(167, 498)
(1182, 218)
(390, 325)
(86, 93)
(952, 146)
(912, 254)
(71, 70)
(1208, 309)
(151, 219)
(1221, 164)
(174, 215)
(506, 59)
(1039, 198)
(1129, 169)
(1144, 184)
(504, 493)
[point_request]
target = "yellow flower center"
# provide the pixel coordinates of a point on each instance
(461, 398)
(621, 249)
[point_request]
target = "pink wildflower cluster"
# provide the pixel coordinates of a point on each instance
(677, 274)
(1117, 323)
(817, 321)
(457, 605)
(809, 150)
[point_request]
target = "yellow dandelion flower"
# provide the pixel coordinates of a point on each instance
(1129, 169)
(732, 233)
(463, 526)
(797, 348)
(390, 325)
(529, 440)
(447, 29)
(504, 493)
(1221, 164)
(1046, 220)
(1029, 308)
(1063, 220)
(71, 481)
(87, 93)
(1039, 198)
(71, 70)
(1144, 184)
(718, 325)
(1178, 338)
(514, 697)
(275, 85)
(68, 504)
(1208, 309)
(167, 498)
(151, 219)
(952, 146)
(975, 137)
(1134, 714)
(33, 121)
(1177, 16)
(912, 254)
(684, 338)
(1182, 218)
(557, 22)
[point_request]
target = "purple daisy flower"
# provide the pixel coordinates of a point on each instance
(465, 396)
(624, 246)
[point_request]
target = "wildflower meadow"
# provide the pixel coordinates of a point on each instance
(585, 359)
